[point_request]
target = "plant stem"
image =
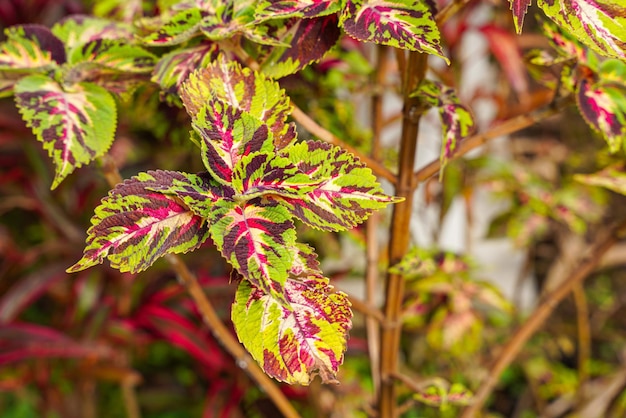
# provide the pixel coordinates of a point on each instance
(507, 127)
(584, 334)
(543, 311)
(400, 237)
(327, 136)
(210, 317)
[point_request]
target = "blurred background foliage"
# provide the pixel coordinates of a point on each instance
(104, 343)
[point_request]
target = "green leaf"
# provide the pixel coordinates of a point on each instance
(76, 124)
(77, 30)
(346, 191)
(599, 24)
(456, 120)
(612, 178)
(133, 225)
(406, 24)
(180, 27)
(118, 55)
(255, 239)
(295, 339)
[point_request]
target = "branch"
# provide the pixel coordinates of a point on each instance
(543, 311)
(507, 127)
(325, 135)
(211, 319)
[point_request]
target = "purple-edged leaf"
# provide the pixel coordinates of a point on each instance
(240, 88)
(406, 24)
(118, 55)
(255, 240)
(456, 120)
(296, 338)
(197, 191)
(271, 9)
(180, 27)
(76, 124)
(346, 192)
(565, 44)
(309, 40)
(21, 341)
(266, 174)
(604, 109)
(226, 135)
(174, 68)
(519, 9)
(77, 30)
(133, 225)
(599, 24)
(28, 49)
(612, 178)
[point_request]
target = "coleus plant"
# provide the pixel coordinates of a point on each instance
(258, 180)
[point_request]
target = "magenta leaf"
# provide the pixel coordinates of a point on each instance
(133, 226)
(519, 9)
(271, 9)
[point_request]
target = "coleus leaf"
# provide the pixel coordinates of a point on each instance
(133, 225)
(226, 135)
(76, 30)
(76, 124)
(240, 88)
(175, 67)
(599, 24)
(406, 24)
(254, 239)
(519, 9)
(456, 120)
(118, 55)
(308, 39)
(346, 191)
(271, 9)
(28, 49)
(296, 338)
(603, 105)
(612, 178)
(180, 27)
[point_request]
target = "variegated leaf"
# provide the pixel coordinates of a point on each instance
(309, 40)
(133, 226)
(76, 124)
(240, 88)
(266, 174)
(196, 191)
(612, 178)
(28, 49)
(175, 67)
(604, 108)
(226, 135)
(271, 9)
(519, 9)
(599, 24)
(120, 10)
(296, 338)
(77, 30)
(346, 192)
(180, 27)
(117, 55)
(406, 24)
(456, 120)
(565, 44)
(255, 239)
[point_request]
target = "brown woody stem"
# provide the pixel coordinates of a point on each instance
(400, 237)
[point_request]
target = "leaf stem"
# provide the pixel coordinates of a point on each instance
(210, 317)
(539, 315)
(327, 136)
(507, 127)
(400, 237)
